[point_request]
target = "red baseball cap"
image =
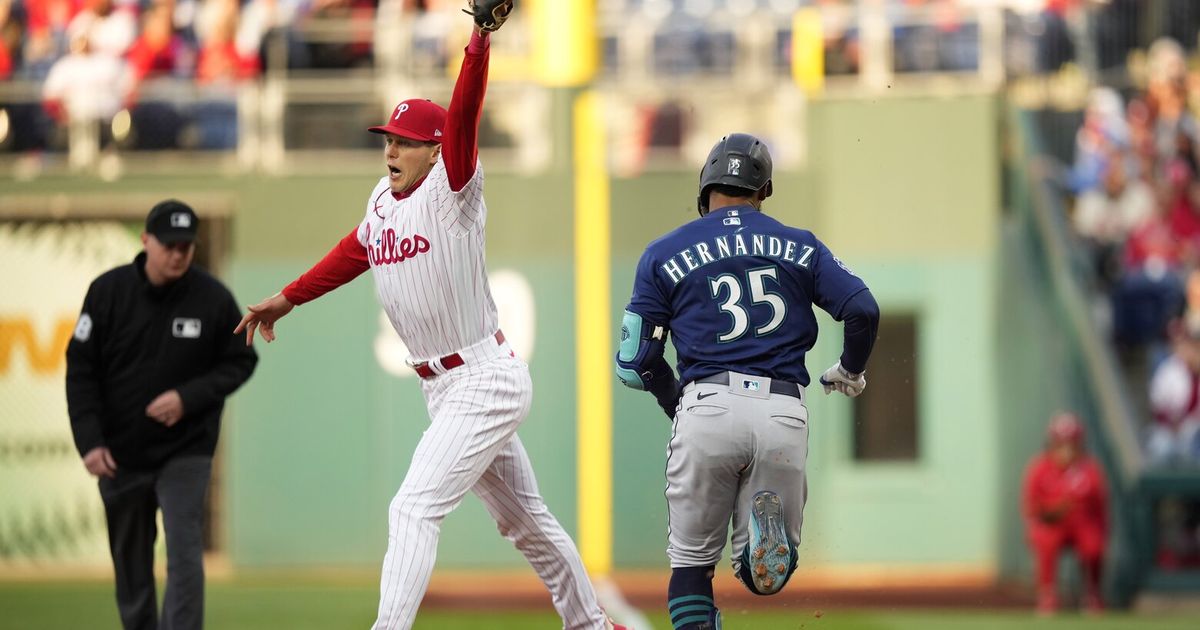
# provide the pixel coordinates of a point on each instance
(417, 118)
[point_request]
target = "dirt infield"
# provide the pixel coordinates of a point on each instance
(520, 589)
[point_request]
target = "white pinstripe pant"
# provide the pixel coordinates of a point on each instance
(471, 444)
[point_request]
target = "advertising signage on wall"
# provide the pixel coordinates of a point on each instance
(50, 511)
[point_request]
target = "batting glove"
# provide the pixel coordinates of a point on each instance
(838, 379)
(668, 397)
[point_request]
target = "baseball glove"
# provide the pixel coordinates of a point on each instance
(489, 14)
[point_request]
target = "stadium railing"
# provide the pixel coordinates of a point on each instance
(292, 118)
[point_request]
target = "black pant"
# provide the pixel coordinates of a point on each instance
(131, 501)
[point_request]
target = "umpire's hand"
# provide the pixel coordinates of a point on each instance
(99, 462)
(166, 408)
(262, 316)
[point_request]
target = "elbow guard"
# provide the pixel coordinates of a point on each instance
(641, 345)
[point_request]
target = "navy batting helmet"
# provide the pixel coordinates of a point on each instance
(739, 160)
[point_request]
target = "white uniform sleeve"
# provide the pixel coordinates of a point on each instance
(459, 212)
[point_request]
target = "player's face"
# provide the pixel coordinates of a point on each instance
(1064, 453)
(166, 262)
(408, 160)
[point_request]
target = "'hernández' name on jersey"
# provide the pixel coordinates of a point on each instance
(736, 289)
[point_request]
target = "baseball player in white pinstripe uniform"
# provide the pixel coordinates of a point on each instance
(423, 240)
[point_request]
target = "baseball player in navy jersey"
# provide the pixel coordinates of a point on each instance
(735, 290)
(422, 238)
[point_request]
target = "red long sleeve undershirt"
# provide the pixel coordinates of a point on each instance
(345, 262)
(460, 152)
(460, 149)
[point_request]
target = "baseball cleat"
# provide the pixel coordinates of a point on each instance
(769, 544)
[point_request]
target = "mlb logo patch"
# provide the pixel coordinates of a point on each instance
(750, 385)
(181, 220)
(186, 328)
(734, 167)
(731, 221)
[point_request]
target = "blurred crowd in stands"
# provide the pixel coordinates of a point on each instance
(95, 58)
(173, 67)
(210, 41)
(1136, 187)
(1137, 208)
(176, 64)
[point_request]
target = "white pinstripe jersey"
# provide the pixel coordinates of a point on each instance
(426, 252)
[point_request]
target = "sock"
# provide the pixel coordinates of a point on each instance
(690, 597)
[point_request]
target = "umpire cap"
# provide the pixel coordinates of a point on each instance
(172, 221)
(739, 160)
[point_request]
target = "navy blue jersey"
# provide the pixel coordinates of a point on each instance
(736, 289)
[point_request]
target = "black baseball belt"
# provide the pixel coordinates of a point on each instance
(777, 387)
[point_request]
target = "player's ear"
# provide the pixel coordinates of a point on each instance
(145, 237)
(433, 157)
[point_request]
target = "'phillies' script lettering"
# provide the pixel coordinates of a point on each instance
(387, 250)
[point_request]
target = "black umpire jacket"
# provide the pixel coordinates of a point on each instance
(135, 341)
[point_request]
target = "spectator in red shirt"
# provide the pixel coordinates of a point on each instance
(1156, 246)
(1184, 200)
(10, 36)
(1066, 505)
(45, 38)
(158, 49)
(220, 61)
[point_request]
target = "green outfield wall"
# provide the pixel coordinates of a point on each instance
(906, 191)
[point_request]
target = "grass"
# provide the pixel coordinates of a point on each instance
(259, 606)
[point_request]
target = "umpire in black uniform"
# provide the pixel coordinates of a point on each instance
(148, 369)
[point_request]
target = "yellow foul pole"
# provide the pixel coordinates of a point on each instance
(593, 334)
(808, 50)
(566, 52)
(565, 48)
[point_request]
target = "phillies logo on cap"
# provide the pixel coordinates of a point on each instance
(417, 118)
